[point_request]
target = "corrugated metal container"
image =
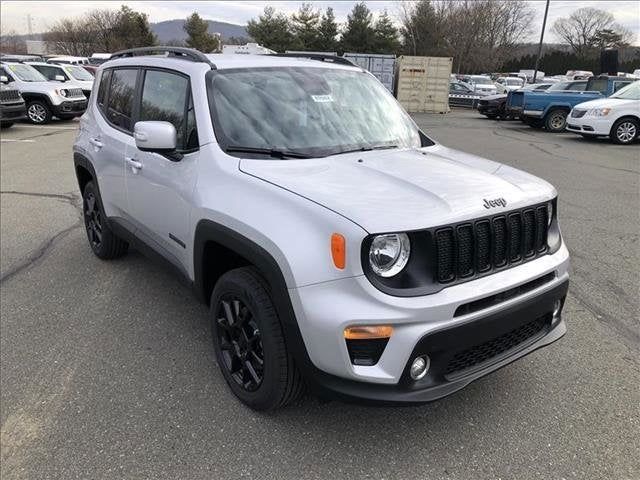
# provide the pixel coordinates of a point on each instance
(423, 83)
(381, 66)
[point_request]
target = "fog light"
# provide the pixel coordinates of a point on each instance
(419, 367)
(556, 308)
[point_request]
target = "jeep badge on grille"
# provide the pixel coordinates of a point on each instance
(495, 202)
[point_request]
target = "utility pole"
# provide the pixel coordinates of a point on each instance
(544, 24)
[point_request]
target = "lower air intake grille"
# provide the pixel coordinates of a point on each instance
(481, 353)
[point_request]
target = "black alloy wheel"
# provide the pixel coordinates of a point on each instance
(240, 342)
(93, 220)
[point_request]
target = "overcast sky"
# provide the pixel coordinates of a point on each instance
(13, 14)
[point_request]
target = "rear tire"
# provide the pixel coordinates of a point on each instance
(556, 120)
(104, 243)
(625, 131)
(38, 112)
(249, 343)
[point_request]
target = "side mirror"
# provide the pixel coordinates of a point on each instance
(4, 79)
(154, 136)
(60, 78)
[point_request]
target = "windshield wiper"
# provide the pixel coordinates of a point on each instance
(365, 148)
(272, 152)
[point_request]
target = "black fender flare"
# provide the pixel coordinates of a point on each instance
(208, 230)
(28, 96)
(80, 160)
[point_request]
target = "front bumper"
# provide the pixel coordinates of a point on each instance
(70, 107)
(12, 112)
(589, 125)
(324, 310)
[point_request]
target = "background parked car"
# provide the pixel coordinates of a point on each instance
(550, 108)
(480, 84)
(494, 106)
(12, 106)
(72, 75)
(617, 116)
(44, 99)
(69, 60)
(462, 94)
(507, 84)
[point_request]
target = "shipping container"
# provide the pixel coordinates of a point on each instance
(422, 83)
(381, 66)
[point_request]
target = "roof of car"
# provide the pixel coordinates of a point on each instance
(44, 64)
(67, 58)
(227, 61)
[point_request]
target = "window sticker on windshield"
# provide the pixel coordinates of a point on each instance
(322, 98)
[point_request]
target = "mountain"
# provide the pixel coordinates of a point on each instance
(172, 30)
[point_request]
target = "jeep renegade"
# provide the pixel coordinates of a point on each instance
(338, 247)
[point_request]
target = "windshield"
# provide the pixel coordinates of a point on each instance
(482, 80)
(630, 92)
(315, 111)
(78, 73)
(27, 73)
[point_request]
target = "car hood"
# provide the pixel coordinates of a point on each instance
(606, 102)
(404, 189)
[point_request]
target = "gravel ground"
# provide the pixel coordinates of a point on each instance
(107, 370)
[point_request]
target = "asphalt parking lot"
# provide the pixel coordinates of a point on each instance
(107, 368)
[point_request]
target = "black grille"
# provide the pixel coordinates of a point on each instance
(578, 113)
(503, 296)
(479, 354)
(9, 95)
(75, 92)
(473, 248)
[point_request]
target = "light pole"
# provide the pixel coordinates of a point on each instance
(544, 24)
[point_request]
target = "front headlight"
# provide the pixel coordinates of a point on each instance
(598, 112)
(389, 254)
(63, 92)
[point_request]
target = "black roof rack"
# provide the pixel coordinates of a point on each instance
(317, 56)
(179, 52)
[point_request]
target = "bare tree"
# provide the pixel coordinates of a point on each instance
(476, 33)
(582, 29)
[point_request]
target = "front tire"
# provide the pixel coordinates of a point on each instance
(625, 131)
(104, 243)
(556, 120)
(38, 112)
(249, 343)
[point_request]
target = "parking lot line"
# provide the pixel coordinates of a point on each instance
(50, 127)
(8, 140)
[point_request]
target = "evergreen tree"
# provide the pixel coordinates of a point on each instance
(198, 35)
(386, 35)
(272, 30)
(305, 25)
(133, 29)
(359, 35)
(328, 31)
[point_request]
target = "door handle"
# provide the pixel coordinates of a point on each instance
(95, 142)
(133, 163)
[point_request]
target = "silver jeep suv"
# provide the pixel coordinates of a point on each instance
(337, 246)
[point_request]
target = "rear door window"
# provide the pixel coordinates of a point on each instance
(122, 90)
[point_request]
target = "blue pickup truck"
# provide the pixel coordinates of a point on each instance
(549, 109)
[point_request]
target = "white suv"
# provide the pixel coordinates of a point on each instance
(337, 246)
(70, 75)
(44, 98)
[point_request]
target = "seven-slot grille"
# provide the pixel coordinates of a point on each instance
(75, 92)
(9, 95)
(471, 248)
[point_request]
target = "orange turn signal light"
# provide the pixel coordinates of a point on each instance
(338, 251)
(368, 332)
